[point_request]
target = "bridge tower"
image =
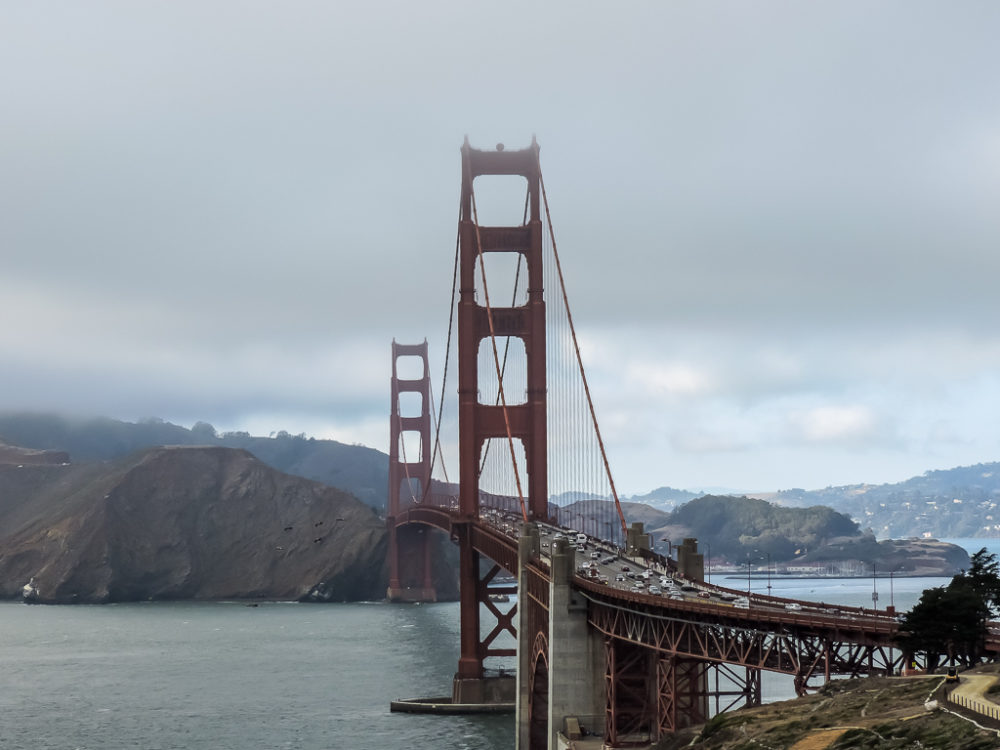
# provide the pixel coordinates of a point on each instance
(513, 424)
(410, 574)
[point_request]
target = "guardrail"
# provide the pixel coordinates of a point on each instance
(980, 706)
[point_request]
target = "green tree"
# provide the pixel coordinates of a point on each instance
(950, 620)
(983, 578)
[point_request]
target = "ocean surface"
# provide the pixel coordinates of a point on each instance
(224, 676)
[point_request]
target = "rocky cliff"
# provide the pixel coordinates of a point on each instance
(183, 523)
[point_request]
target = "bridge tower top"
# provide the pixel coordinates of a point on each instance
(522, 426)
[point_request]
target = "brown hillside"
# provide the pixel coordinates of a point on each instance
(203, 523)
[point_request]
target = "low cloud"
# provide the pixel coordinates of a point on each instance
(825, 424)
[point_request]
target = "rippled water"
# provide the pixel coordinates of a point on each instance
(224, 676)
(203, 675)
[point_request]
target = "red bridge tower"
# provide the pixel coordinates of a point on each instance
(410, 574)
(479, 321)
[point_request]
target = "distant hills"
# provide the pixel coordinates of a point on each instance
(361, 471)
(950, 503)
(736, 529)
(663, 497)
(959, 502)
(98, 510)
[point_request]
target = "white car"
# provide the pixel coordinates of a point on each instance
(654, 589)
(793, 606)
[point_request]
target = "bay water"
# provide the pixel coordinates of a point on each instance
(225, 676)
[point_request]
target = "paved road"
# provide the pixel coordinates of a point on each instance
(970, 694)
(635, 574)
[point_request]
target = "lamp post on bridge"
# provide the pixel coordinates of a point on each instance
(874, 588)
(748, 577)
(768, 573)
(750, 569)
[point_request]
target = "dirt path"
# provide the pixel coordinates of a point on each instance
(975, 685)
(818, 740)
(970, 694)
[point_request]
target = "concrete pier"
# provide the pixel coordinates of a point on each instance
(573, 679)
(444, 705)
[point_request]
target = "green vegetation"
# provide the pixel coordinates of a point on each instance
(364, 472)
(737, 526)
(951, 620)
(959, 502)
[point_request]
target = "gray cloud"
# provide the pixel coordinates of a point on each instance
(226, 212)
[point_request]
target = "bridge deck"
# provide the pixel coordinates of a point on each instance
(496, 534)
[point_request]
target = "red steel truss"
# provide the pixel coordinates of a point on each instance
(803, 651)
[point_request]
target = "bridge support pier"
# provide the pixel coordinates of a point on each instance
(572, 669)
(472, 685)
(411, 577)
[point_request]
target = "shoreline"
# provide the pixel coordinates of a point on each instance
(798, 577)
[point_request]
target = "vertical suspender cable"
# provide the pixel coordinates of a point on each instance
(576, 346)
(447, 355)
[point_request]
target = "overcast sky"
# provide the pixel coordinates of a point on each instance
(778, 220)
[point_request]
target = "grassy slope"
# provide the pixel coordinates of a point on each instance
(873, 712)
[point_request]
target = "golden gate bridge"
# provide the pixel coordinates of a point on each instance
(597, 642)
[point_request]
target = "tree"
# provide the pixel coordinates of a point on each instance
(983, 577)
(951, 620)
(203, 431)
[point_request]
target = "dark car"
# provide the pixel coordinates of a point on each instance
(952, 675)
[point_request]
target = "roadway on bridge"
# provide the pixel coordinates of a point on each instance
(600, 562)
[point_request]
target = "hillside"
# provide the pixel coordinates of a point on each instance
(361, 471)
(663, 498)
(177, 523)
(738, 527)
(872, 712)
(952, 503)
(735, 527)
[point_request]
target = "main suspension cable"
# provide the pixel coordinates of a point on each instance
(438, 453)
